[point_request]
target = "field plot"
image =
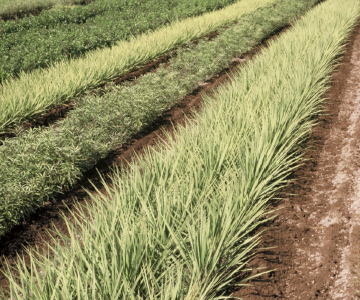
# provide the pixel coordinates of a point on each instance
(177, 223)
(35, 92)
(69, 32)
(100, 123)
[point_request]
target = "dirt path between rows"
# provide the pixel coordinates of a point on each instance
(317, 233)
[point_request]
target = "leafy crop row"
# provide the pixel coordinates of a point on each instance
(35, 92)
(18, 8)
(36, 42)
(41, 162)
(58, 15)
(177, 225)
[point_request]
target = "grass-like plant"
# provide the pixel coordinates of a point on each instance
(39, 163)
(177, 224)
(33, 93)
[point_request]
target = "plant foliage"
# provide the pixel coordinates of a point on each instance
(54, 35)
(34, 93)
(177, 224)
(38, 163)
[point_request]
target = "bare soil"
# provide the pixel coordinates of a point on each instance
(316, 236)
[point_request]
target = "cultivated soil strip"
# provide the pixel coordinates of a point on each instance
(317, 233)
(33, 231)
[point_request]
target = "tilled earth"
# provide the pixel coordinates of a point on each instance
(317, 232)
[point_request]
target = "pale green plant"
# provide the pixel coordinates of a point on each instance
(179, 223)
(34, 93)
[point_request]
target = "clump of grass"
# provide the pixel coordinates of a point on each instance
(179, 228)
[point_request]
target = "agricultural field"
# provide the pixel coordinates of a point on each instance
(36, 92)
(100, 123)
(185, 217)
(71, 31)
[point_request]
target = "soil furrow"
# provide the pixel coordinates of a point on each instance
(317, 233)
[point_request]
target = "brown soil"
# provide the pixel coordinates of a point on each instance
(317, 233)
(33, 231)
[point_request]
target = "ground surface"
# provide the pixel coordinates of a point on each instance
(317, 233)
